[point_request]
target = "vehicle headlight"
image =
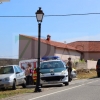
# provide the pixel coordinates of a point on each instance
(41, 74)
(7, 79)
(63, 72)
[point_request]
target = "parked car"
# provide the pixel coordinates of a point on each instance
(53, 71)
(74, 73)
(12, 75)
(98, 68)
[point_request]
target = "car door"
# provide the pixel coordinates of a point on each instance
(17, 75)
(21, 74)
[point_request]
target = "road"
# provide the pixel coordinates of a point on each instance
(87, 89)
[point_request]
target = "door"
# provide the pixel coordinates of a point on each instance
(21, 74)
(17, 75)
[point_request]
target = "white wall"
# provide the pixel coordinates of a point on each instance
(65, 54)
(91, 64)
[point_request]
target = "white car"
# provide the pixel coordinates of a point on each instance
(11, 76)
(74, 73)
(53, 71)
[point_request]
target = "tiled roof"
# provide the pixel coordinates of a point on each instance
(86, 46)
(53, 43)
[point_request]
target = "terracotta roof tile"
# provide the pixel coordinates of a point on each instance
(53, 43)
(86, 46)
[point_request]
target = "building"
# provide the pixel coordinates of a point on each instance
(28, 48)
(90, 49)
(87, 50)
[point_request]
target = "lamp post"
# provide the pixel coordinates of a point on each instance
(39, 17)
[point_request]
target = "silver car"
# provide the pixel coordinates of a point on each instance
(74, 73)
(12, 75)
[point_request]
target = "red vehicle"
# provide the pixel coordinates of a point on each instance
(33, 62)
(98, 68)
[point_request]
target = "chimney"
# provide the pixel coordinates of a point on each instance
(48, 37)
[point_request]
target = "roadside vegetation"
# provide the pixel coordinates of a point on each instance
(83, 74)
(9, 92)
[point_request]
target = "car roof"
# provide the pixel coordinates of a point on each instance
(51, 60)
(98, 59)
(98, 62)
(9, 65)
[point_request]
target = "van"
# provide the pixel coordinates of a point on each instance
(98, 68)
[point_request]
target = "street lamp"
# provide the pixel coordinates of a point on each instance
(39, 17)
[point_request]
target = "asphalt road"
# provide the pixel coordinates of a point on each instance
(87, 89)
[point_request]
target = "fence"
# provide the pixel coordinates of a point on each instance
(80, 65)
(91, 64)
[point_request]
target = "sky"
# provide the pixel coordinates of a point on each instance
(61, 28)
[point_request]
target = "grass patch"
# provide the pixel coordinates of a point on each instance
(8, 92)
(86, 74)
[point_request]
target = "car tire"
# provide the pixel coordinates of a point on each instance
(67, 83)
(41, 85)
(24, 84)
(14, 85)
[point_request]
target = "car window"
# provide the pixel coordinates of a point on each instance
(16, 70)
(19, 69)
(51, 64)
(6, 70)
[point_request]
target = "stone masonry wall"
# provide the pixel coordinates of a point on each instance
(4, 62)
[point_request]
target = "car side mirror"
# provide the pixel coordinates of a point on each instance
(17, 72)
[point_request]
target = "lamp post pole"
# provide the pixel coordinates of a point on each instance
(39, 15)
(37, 89)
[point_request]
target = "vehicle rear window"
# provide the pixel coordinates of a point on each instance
(98, 62)
(6, 70)
(52, 64)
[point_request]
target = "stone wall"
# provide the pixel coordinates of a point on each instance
(85, 65)
(80, 65)
(4, 62)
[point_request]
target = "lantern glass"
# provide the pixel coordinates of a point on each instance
(39, 15)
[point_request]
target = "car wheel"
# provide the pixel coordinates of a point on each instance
(14, 85)
(24, 84)
(41, 85)
(67, 83)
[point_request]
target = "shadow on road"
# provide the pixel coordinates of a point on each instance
(48, 86)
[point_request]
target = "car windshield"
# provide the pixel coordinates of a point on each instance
(6, 70)
(51, 64)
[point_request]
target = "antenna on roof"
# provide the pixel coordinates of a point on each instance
(65, 42)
